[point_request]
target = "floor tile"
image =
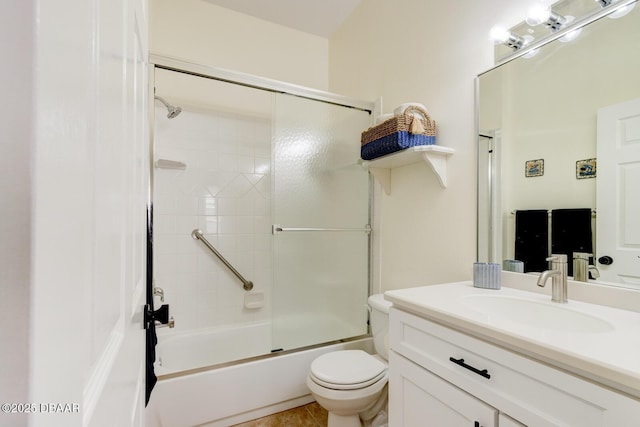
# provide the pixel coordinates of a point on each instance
(311, 415)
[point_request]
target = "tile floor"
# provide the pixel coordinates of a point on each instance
(311, 415)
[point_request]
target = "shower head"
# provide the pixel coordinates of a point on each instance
(172, 111)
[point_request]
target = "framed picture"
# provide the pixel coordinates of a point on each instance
(534, 168)
(586, 169)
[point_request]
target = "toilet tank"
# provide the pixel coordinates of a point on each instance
(379, 322)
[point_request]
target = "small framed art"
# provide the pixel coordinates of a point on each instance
(534, 168)
(586, 169)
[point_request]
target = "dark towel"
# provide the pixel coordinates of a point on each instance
(532, 239)
(571, 232)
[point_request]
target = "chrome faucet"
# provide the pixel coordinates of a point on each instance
(558, 274)
(159, 292)
(581, 267)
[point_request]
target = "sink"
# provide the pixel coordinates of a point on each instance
(542, 315)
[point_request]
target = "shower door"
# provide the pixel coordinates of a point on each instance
(235, 161)
(321, 215)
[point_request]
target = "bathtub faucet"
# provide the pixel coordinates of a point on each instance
(160, 318)
(159, 292)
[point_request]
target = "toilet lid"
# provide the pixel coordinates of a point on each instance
(347, 369)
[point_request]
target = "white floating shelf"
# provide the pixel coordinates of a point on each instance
(435, 155)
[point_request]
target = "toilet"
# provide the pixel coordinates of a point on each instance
(352, 384)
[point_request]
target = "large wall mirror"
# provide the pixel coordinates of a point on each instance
(559, 153)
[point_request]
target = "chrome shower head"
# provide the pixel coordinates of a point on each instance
(172, 110)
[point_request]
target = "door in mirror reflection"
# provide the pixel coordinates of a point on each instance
(617, 188)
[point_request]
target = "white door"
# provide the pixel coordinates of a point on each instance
(618, 187)
(90, 187)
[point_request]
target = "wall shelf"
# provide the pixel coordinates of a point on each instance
(435, 155)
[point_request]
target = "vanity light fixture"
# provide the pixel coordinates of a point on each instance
(500, 35)
(542, 14)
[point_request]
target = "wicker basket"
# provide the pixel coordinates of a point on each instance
(398, 133)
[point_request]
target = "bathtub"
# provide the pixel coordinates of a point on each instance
(228, 395)
(196, 349)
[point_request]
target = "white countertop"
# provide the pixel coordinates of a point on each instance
(610, 357)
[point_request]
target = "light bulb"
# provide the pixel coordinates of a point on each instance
(538, 14)
(570, 36)
(622, 11)
(541, 14)
(499, 34)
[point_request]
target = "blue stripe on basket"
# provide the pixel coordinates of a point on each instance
(392, 143)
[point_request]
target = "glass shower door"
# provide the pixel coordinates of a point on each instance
(321, 204)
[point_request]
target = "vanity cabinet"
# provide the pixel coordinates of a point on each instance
(439, 376)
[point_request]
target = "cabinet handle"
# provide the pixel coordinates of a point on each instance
(460, 362)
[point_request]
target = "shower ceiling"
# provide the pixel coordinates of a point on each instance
(321, 18)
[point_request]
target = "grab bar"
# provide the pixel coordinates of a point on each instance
(275, 228)
(199, 235)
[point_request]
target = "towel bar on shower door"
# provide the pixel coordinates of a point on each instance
(199, 235)
(275, 228)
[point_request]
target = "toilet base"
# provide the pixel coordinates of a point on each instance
(365, 409)
(336, 420)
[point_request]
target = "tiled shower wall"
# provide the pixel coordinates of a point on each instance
(225, 191)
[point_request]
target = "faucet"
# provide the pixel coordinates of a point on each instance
(159, 292)
(558, 274)
(581, 267)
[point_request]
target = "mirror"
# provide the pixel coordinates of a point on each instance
(559, 131)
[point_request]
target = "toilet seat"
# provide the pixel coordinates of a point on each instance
(347, 386)
(347, 370)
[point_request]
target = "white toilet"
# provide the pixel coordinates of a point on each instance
(352, 384)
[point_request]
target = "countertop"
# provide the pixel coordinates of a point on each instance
(610, 357)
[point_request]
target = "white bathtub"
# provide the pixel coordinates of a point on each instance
(208, 347)
(235, 394)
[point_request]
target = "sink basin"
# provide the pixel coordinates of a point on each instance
(551, 316)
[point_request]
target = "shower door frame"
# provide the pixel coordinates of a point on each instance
(262, 83)
(275, 86)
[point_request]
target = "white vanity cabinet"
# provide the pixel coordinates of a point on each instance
(441, 377)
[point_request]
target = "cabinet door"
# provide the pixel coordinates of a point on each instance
(506, 421)
(418, 398)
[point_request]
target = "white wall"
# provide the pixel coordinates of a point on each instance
(207, 34)
(428, 52)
